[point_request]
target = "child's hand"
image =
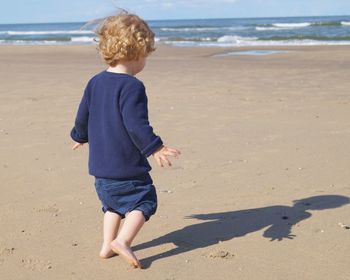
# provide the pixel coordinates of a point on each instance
(77, 145)
(161, 154)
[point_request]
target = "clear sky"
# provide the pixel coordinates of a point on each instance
(28, 11)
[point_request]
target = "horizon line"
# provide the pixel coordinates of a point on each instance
(179, 19)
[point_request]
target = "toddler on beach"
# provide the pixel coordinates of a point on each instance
(113, 118)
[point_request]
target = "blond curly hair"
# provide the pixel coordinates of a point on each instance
(124, 36)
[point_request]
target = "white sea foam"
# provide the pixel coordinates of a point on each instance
(229, 39)
(83, 39)
(252, 52)
(76, 32)
(262, 28)
(28, 42)
(282, 26)
(181, 39)
(346, 23)
(77, 40)
(292, 25)
(74, 40)
(238, 41)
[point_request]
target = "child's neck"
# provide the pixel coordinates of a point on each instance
(123, 67)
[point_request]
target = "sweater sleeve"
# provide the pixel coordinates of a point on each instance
(79, 132)
(134, 111)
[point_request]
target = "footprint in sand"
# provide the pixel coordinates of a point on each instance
(5, 252)
(52, 209)
(36, 264)
(219, 254)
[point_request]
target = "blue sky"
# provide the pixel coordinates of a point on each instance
(28, 11)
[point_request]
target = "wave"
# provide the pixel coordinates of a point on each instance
(238, 41)
(259, 27)
(84, 39)
(31, 42)
(331, 23)
(182, 39)
(262, 43)
(190, 29)
(306, 37)
(292, 25)
(267, 28)
(50, 41)
(234, 39)
(73, 32)
(281, 26)
(327, 23)
(227, 40)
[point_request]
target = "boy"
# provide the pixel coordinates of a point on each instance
(113, 118)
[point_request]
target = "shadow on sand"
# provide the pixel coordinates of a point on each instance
(227, 225)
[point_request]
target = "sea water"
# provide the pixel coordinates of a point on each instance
(332, 30)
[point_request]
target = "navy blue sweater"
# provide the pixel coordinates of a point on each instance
(113, 118)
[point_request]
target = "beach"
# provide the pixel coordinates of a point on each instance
(261, 190)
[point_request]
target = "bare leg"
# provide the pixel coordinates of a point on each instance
(121, 245)
(111, 222)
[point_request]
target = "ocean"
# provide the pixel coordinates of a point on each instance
(327, 30)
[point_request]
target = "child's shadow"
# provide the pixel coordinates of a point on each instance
(227, 225)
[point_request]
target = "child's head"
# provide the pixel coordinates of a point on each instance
(124, 37)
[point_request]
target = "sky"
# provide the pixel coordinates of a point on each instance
(35, 11)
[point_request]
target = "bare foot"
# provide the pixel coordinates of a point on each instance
(106, 251)
(126, 252)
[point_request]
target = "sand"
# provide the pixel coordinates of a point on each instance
(257, 133)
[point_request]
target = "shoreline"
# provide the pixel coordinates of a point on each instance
(206, 51)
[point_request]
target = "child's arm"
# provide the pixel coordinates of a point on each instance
(79, 132)
(134, 110)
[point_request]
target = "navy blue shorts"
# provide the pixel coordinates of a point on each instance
(124, 195)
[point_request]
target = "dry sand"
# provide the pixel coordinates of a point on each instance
(256, 134)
